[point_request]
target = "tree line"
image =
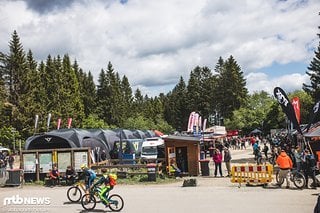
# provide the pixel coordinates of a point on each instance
(61, 87)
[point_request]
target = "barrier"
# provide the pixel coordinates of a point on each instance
(252, 174)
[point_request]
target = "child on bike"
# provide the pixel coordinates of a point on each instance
(109, 181)
(89, 175)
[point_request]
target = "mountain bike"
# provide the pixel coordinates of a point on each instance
(89, 200)
(296, 177)
(74, 193)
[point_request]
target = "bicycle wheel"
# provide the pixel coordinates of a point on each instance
(88, 201)
(280, 182)
(299, 180)
(116, 202)
(74, 194)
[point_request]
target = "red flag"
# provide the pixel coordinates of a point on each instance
(69, 122)
(59, 123)
(296, 107)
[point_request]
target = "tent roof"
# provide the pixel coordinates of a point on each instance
(256, 131)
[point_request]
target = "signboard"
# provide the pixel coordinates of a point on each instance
(29, 163)
(64, 160)
(45, 162)
(79, 159)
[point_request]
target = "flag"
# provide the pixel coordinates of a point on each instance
(287, 107)
(204, 125)
(296, 106)
(59, 123)
(48, 122)
(315, 113)
(69, 122)
(36, 122)
(190, 123)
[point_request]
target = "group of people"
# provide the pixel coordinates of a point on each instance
(218, 158)
(6, 159)
(107, 180)
(303, 161)
(55, 177)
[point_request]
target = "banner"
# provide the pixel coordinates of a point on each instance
(190, 123)
(313, 116)
(59, 123)
(287, 107)
(296, 106)
(48, 122)
(204, 124)
(69, 122)
(36, 123)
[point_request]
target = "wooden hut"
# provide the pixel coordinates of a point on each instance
(184, 151)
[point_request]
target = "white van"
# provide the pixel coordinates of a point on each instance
(150, 149)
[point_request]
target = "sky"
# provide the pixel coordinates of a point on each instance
(155, 42)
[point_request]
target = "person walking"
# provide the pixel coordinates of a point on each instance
(227, 160)
(285, 164)
(217, 159)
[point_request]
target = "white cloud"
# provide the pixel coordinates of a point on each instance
(156, 42)
(261, 81)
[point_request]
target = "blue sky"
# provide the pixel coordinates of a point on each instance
(153, 43)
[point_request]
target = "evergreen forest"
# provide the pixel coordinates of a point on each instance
(59, 86)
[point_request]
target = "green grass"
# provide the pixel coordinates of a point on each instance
(143, 180)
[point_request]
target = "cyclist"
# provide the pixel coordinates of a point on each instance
(89, 175)
(109, 181)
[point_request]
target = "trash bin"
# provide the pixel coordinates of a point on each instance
(204, 165)
(14, 177)
(151, 170)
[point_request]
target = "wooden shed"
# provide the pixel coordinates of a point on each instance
(185, 152)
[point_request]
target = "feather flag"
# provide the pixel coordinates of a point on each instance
(287, 107)
(59, 123)
(48, 122)
(296, 106)
(69, 122)
(313, 116)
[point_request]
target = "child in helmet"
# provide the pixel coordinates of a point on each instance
(109, 180)
(89, 174)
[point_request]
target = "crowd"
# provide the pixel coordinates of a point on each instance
(287, 157)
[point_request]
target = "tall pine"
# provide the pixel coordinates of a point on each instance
(314, 73)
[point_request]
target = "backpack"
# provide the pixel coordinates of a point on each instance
(113, 179)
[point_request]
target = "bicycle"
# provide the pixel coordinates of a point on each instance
(74, 193)
(88, 200)
(295, 176)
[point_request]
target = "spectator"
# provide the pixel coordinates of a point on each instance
(227, 160)
(11, 160)
(285, 164)
(309, 165)
(70, 175)
(174, 169)
(265, 150)
(297, 156)
(217, 159)
(54, 176)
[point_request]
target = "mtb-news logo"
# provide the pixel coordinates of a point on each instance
(16, 203)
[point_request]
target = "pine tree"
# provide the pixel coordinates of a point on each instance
(231, 91)
(176, 113)
(13, 72)
(314, 72)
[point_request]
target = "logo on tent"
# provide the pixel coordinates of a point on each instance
(48, 139)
